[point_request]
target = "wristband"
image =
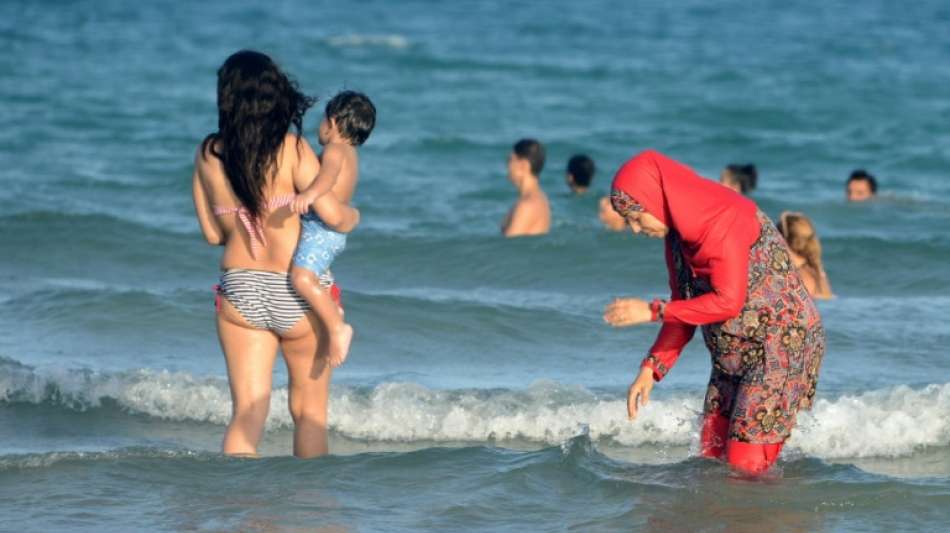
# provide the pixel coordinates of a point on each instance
(657, 306)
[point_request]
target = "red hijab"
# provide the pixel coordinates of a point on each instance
(704, 213)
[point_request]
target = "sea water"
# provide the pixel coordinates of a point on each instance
(483, 391)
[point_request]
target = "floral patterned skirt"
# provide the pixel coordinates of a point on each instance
(766, 360)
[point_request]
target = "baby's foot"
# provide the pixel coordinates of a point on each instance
(340, 344)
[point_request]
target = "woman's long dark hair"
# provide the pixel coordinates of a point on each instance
(257, 103)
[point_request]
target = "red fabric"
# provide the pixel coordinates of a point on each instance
(336, 294)
(217, 297)
(752, 459)
(747, 458)
(717, 226)
(713, 436)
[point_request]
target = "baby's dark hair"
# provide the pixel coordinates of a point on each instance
(861, 174)
(533, 152)
(746, 175)
(582, 168)
(354, 114)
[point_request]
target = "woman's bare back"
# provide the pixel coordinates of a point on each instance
(296, 166)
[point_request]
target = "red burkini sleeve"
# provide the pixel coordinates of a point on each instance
(673, 336)
(729, 279)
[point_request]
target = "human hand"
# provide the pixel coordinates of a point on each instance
(639, 393)
(302, 202)
(624, 312)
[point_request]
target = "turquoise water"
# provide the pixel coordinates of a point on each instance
(483, 391)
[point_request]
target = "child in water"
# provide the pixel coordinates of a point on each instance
(531, 214)
(348, 120)
(803, 243)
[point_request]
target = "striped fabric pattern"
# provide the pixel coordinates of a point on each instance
(267, 300)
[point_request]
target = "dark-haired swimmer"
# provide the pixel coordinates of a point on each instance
(531, 214)
(861, 186)
(580, 173)
(740, 178)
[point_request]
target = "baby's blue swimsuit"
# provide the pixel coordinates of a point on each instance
(318, 245)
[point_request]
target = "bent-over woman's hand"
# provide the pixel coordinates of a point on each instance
(639, 393)
(627, 312)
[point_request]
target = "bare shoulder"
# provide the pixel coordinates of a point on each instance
(205, 158)
(296, 147)
(538, 200)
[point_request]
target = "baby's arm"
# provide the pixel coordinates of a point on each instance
(329, 172)
(336, 214)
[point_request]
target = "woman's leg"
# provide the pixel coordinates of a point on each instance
(720, 399)
(304, 347)
(713, 436)
(249, 353)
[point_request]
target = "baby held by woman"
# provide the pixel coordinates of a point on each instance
(348, 120)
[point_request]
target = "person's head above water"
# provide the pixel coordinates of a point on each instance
(526, 160)
(800, 235)
(657, 195)
(352, 115)
(861, 186)
(257, 104)
(580, 173)
(740, 178)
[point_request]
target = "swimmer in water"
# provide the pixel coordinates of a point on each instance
(799, 233)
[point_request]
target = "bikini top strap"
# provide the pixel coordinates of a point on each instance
(253, 224)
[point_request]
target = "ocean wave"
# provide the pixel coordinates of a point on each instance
(361, 40)
(881, 423)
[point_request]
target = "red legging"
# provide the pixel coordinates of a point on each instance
(747, 458)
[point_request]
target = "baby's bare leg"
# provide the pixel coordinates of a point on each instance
(307, 285)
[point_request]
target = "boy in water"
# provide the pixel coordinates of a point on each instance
(531, 214)
(861, 186)
(580, 172)
(347, 123)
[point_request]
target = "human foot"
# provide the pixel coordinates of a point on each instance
(340, 344)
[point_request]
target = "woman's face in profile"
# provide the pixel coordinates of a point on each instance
(647, 224)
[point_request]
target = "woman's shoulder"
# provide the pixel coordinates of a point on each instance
(206, 154)
(295, 145)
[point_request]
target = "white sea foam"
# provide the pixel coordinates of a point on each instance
(358, 40)
(890, 422)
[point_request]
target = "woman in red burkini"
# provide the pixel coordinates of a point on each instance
(729, 272)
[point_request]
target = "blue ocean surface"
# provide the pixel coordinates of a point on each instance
(483, 391)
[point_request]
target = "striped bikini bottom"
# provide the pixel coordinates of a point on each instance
(266, 300)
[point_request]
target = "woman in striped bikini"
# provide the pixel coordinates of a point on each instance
(246, 174)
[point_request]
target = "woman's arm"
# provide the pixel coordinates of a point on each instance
(816, 281)
(673, 336)
(205, 213)
(823, 289)
(729, 279)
